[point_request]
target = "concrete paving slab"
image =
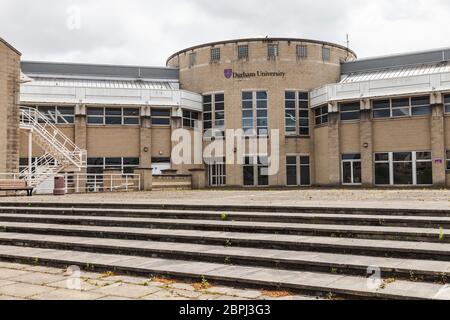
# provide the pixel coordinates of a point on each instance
(38, 278)
(64, 294)
(24, 290)
(126, 290)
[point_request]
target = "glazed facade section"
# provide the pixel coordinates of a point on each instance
(259, 85)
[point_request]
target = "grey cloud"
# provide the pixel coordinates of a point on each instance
(147, 32)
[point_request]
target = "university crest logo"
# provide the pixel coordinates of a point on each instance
(228, 73)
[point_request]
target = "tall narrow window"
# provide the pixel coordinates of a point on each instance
(351, 169)
(447, 103)
(296, 113)
(192, 59)
(302, 51)
(255, 107)
(321, 115)
(214, 114)
(272, 51)
(326, 54)
(242, 52)
(247, 113)
(215, 54)
(262, 125)
(255, 171)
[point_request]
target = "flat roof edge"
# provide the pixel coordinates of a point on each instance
(209, 44)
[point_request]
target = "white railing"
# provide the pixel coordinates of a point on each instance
(85, 183)
(32, 119)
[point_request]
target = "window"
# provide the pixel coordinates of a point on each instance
(447, 103)
(402, 107)
(190, 119)
(403, 168)
(448, 160)
(192, 59)
(161, 117)
(326, 54)
(215, 54)
(131, 116)
(242, 52)
(420, 106)
(113, 116)
(217, 175)
(95, 166)
(255, 171)
(350, 111)
(351, 169)
(298, 171)
(214, 114)
(296, 113)
(58, 114)
(321, 115)
(255, 106)
(272, 51)
(302, 51)
(381, 109)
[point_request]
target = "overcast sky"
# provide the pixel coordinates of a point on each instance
(146, 32)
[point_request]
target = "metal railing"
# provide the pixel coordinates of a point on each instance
(85, 183)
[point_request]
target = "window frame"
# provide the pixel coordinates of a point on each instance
(298, 167)
(391, 162)
(55, 116)
(193, 117)
(411, 107)
(298, 109)
(321, 115)
(273, 51)
(217, 130)
(192, 59)
(357, 110)
(446, 100)
(255, 162)
(256, 111)
(302, 51)
(356, 159)
(326, 54)
(104, 116)
(160, 117)
(246, 50)
(215, 55)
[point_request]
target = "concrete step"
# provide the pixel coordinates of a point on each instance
(233, 208)
(349, 231)
(306, 282)
(432, 271)
(284, 217)
(380, 248)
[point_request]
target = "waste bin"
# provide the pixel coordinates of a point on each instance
(60, 186)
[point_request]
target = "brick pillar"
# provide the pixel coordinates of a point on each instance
(146, 178)
(146, 139)
(198, 178)
(366, 142)
(334, 157)
(81, 139)
(438, 145)
(9, 108)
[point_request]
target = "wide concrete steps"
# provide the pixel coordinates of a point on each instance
(333, 230)
(433, 271)
(315, 253)
(281, 217)
(308, 282)
(383, 248)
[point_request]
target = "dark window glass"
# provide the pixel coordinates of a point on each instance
(420, 101)
(347, 172)
(421, 111)
(382, 174)
(403, 173)
(305, 175)
(113, 112)
(263, 178)
(113, 162)
(304, 160)
(207, 99)
(289, 95)
(423, 155)
(381, 104)
(95, 120)
(382, 157)
(402, 156)
(249, 179)
(131, 121)
(424, 172)
(247, 95)
(357, 169)
(382, 113)
(291, 160)
(398, 103)
(401, 112)
(95, 111)
(95, 161)
(160, 113)
(161, 121)
(291, 175)
(351, 157)
(355, 115)
(130, 161)
(261, 95)
(113, 120)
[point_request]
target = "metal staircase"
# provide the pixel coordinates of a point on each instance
(61, 154)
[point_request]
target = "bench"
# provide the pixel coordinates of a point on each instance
(15, 185)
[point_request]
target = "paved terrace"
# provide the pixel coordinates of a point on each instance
(343, 198)
(26, 282)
